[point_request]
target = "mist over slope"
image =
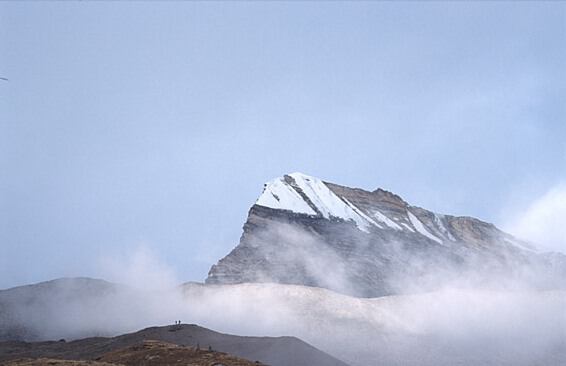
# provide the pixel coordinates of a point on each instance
(447, 327)
(72, 308)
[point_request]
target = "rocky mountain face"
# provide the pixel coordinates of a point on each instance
(305, 231)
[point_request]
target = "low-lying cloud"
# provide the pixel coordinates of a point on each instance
(542, 221)
(140, 268)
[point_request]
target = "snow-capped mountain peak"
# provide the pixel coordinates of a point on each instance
(301, 193)
(303, 230)
(304, 194)
(279, 194)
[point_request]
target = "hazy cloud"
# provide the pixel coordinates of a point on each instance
(543, 220)
(139, 268)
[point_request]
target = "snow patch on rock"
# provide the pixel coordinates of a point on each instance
(279, 195)
(438, 219)
(418, 225)
(386, 220)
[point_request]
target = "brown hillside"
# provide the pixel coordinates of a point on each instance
(148, 353)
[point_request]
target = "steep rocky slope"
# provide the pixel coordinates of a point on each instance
(305, 231)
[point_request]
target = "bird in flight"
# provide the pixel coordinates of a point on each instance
(5, 79)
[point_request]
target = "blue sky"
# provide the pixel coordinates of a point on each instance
(155, 125)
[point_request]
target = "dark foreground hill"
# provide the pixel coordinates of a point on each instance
(283, 351)
(148, 353)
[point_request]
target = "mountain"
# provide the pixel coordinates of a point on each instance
(306, 231)
(315, 261)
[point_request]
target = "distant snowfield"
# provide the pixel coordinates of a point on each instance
(449, 327)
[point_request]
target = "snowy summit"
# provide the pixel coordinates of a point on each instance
(303, 230)
(304, 194)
